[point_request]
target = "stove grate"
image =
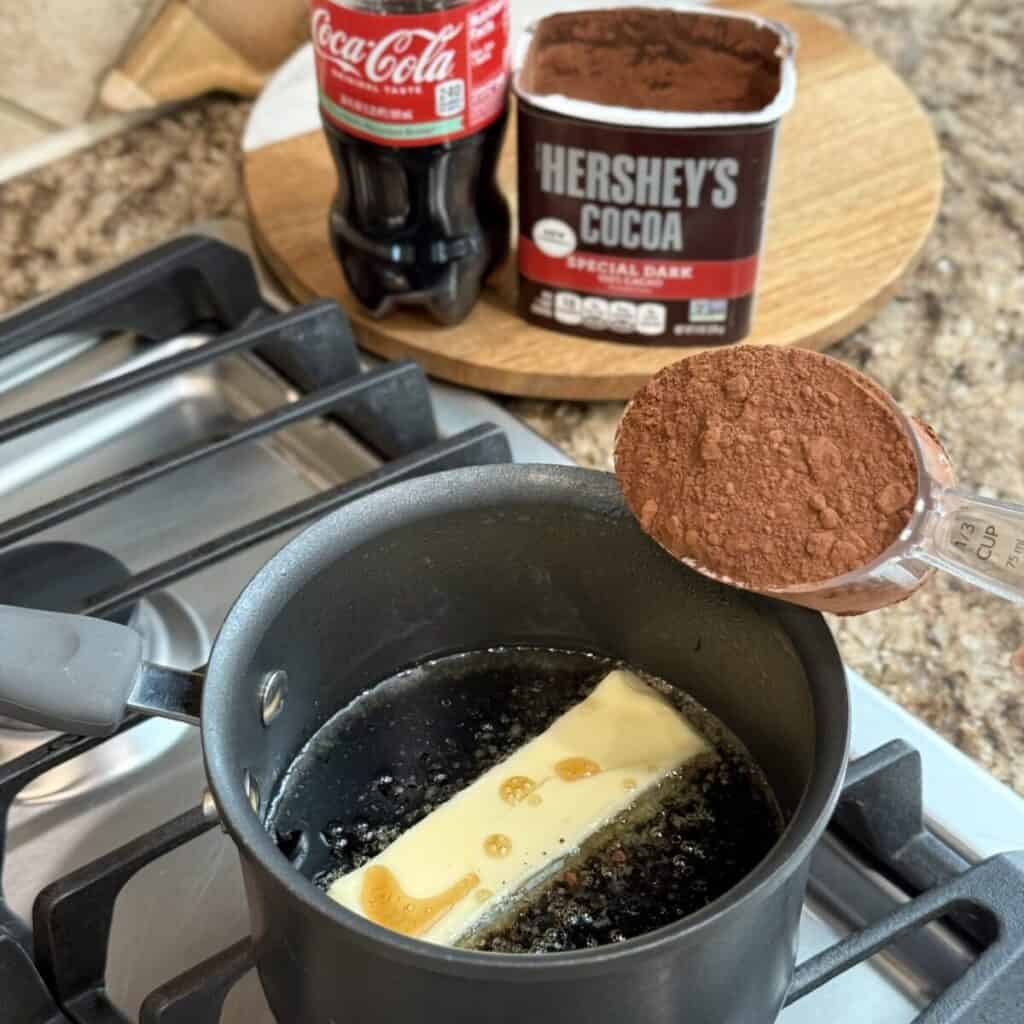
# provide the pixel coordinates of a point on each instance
(72, 917)
(389, 409)
(190, 282)
(158, 294)
(54, 972)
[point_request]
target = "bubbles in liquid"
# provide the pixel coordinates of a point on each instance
(516, 788)
(681, 844)
(386, 903)
(572, 769)
(497, 845)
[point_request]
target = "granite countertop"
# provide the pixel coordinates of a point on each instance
(950, 346)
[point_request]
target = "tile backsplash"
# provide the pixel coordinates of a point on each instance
(53, 56)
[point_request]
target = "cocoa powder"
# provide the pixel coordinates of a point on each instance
(769, 467)
(651, 59)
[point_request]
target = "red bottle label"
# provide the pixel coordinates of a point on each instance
(411, 79)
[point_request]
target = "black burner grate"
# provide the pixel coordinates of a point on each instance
(55, 971)
(880, 813)
(191, 282)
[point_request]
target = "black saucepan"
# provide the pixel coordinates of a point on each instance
(503, 555)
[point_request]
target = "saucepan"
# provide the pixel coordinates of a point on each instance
(466, 560)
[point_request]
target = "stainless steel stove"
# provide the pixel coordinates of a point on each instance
(190, 448)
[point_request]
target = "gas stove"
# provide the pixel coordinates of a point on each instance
(164, 429)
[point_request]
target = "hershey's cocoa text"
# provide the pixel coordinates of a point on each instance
(635, 202)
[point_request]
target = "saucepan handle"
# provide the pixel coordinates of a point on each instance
(82, 675)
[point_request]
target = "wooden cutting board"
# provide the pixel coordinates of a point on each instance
(857, 185)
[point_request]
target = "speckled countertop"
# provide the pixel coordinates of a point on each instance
(950, 346)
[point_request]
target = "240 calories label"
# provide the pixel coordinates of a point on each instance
(411, 79)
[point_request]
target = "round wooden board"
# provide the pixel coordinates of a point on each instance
(856, 187)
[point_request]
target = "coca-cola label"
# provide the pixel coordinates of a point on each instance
(411, 79)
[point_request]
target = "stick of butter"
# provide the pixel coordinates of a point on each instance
(449, 871)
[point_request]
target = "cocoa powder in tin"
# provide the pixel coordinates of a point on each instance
(651, 59)
(770, 467)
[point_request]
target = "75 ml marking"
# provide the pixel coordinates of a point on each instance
(982, 541)
(1015, 560)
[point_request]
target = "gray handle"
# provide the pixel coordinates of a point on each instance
(66, 672)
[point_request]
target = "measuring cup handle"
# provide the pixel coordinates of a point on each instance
(980, 540)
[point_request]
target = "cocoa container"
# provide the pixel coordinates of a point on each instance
(646, 137)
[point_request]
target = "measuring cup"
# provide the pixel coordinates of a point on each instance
(976, 539)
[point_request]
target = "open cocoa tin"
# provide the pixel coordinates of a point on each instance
(644, 223)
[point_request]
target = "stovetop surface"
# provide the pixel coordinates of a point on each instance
(152, 773)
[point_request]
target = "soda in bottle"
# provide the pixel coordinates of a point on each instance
(413, 98)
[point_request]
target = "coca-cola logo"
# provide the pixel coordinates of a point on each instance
(405, 56)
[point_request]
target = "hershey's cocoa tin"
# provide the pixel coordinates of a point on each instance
(644, 224)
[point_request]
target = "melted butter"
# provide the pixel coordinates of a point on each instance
(483, 895)
(572, 769)
(629, 784)
(632, 726)
(516, 788)
(387, 904)
(497, 845)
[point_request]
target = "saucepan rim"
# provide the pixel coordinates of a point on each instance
(503, 486)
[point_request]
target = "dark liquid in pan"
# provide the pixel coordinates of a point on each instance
(415, 740)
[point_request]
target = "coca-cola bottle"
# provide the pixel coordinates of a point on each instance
(413, 98)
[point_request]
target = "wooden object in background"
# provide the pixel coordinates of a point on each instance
(857, 185)
(197, 46)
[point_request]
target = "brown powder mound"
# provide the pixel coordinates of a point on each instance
(654, 60)
(772, 467)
